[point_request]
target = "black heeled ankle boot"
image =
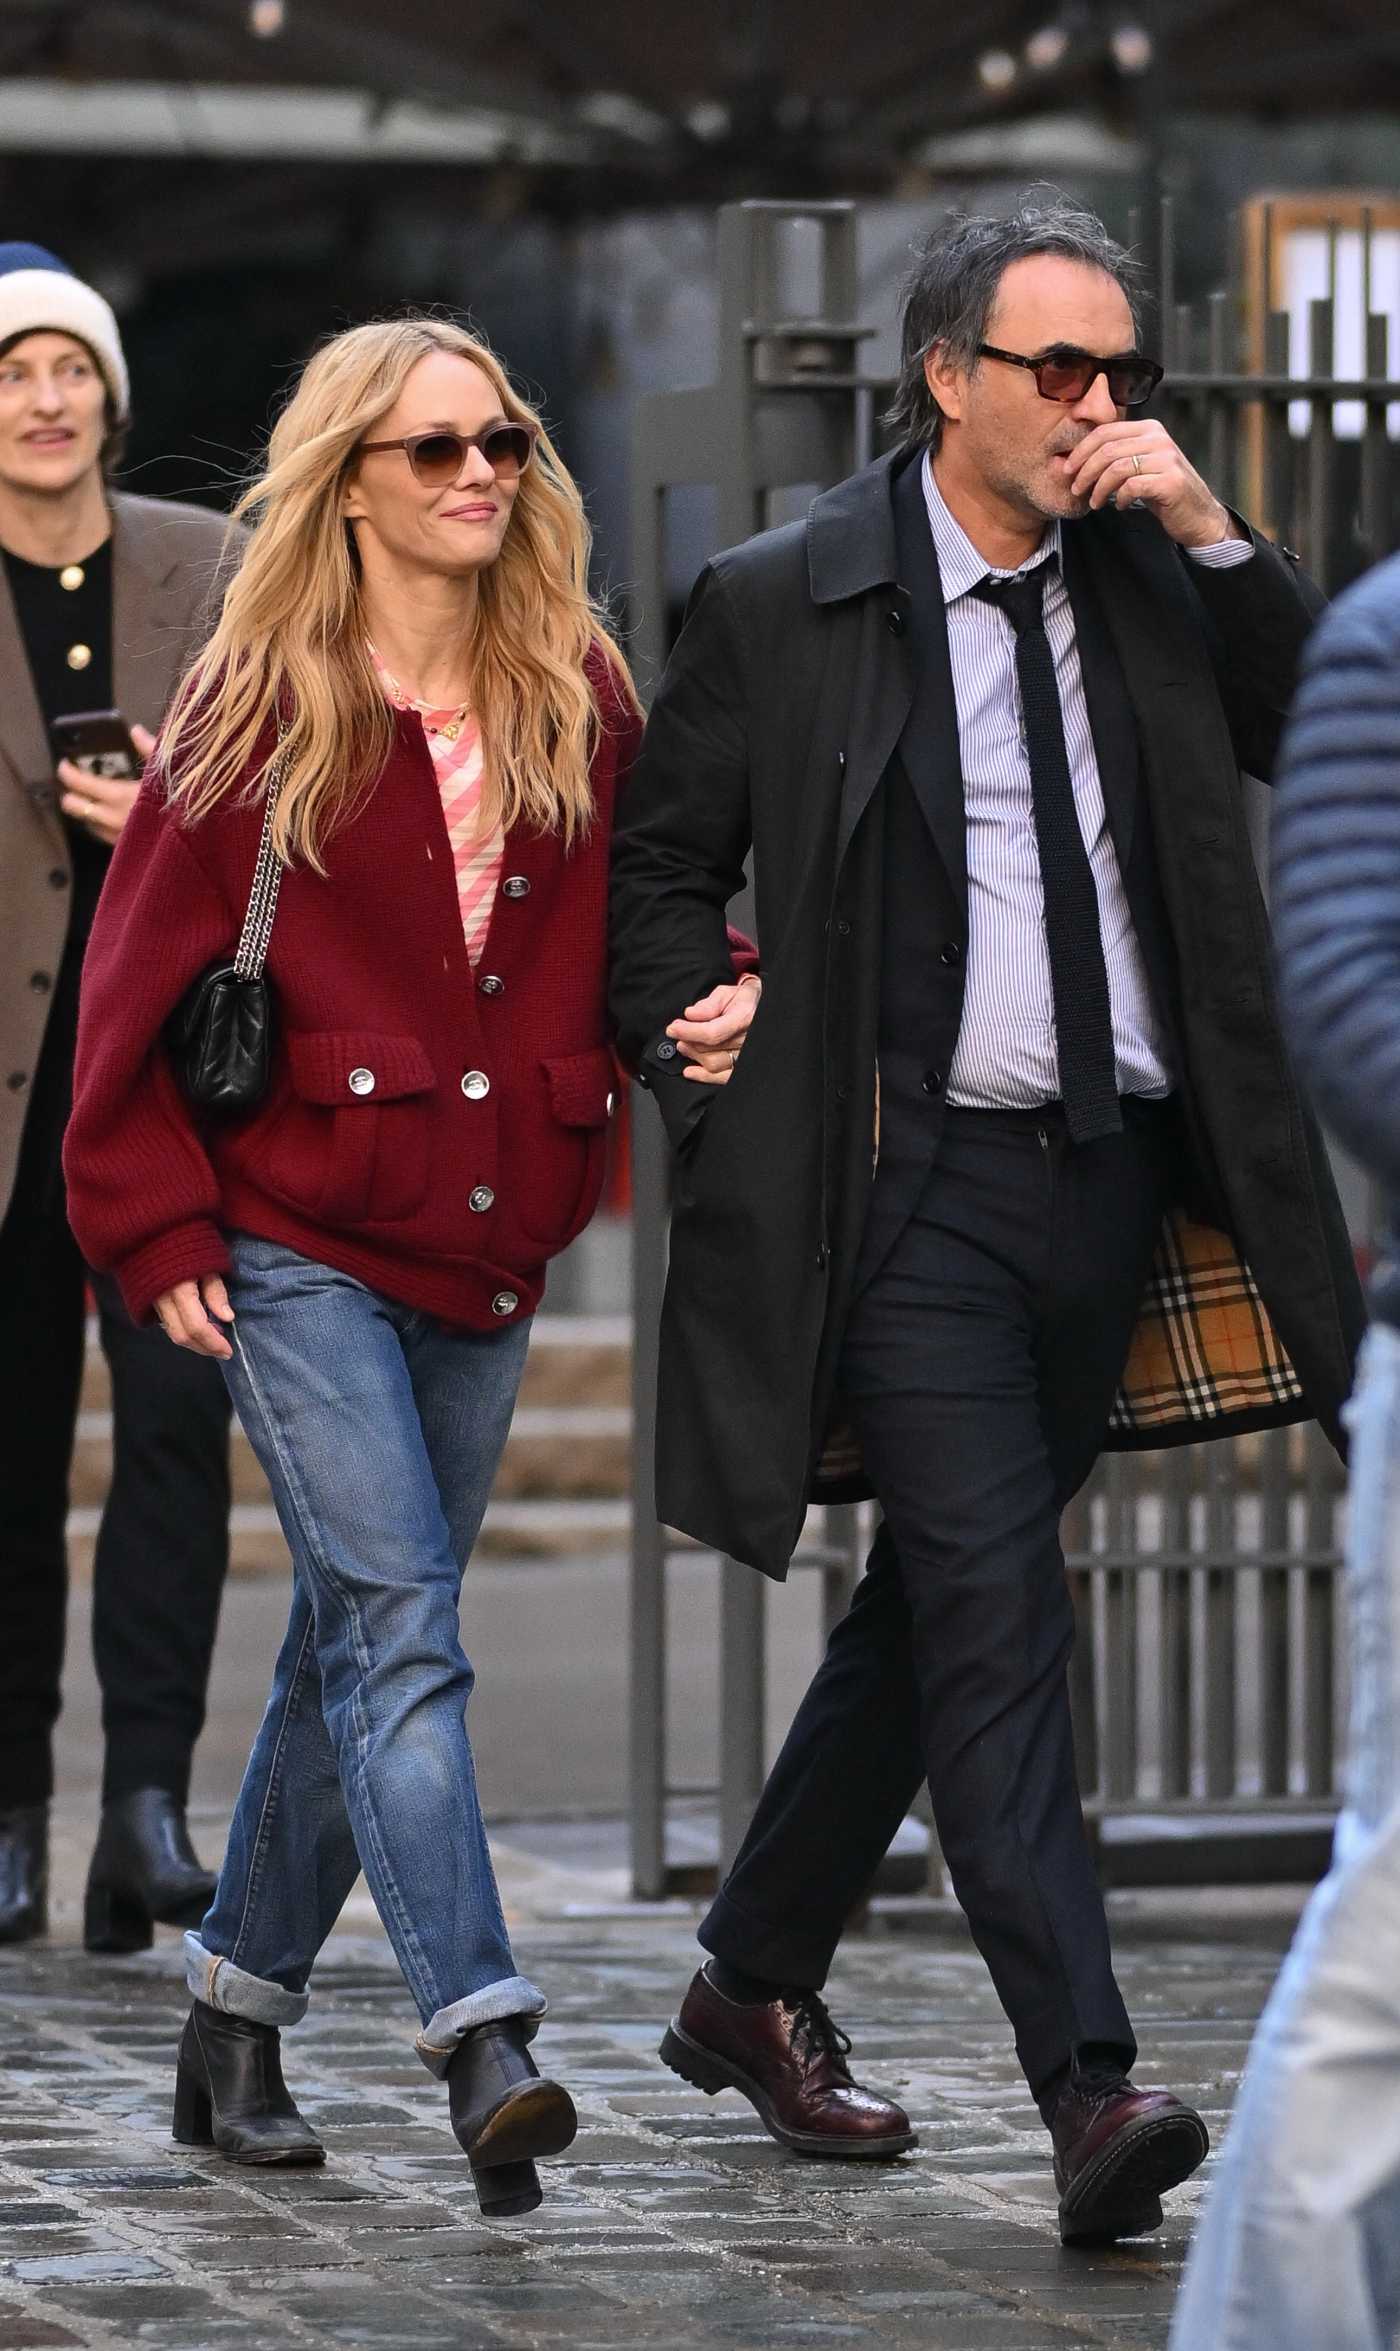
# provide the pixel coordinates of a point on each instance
(229, 2092)
(143, 1870)
(504, 2115)
(24, 1872)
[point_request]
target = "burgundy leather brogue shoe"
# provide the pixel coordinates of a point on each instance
(789, 2060)
(1116, 2149)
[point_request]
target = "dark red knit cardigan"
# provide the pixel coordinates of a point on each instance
(437, 1132)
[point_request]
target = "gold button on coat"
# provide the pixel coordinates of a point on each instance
(72, 576)
(79, 656)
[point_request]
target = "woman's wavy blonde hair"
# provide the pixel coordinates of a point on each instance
(291, 637)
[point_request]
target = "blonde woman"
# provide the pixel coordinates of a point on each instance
(363, 1252)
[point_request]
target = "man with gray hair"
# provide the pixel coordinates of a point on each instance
(1004, 1162)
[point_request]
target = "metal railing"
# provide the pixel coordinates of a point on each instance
(1308, 451)
(1205, 1680)
(1205, 1581)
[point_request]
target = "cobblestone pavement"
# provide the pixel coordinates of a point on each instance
(673, 2221)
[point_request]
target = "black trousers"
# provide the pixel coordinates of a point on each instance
(979, 1365)
(162, 1551)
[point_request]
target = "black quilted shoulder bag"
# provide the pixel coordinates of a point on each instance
(220, 1034)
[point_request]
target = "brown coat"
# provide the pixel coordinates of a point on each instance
(168, 573)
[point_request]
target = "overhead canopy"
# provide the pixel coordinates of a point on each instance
(685, 97)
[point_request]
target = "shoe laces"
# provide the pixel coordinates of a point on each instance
(1097, 2083)
(821, 2036)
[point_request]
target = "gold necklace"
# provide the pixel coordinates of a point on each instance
(451, 726)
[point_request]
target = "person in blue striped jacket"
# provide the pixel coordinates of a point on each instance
(1299, 2248)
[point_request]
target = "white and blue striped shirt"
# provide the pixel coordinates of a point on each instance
(1006, 1057)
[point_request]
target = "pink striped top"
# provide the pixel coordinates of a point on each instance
(454, 746)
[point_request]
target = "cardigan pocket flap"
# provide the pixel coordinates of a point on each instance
(582, 1087)
(340, 1067)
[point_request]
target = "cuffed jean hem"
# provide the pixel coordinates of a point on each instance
(219, 1984)
(515, 1995)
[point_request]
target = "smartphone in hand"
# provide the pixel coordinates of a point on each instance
(99, 742)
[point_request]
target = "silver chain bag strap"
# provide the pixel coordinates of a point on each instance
(220, 1036)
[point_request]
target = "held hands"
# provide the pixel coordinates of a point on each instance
(711, 1034)
(102, 803)
(1137, 463)
(184, 1314)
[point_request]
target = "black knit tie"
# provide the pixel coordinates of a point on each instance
(1078, 978)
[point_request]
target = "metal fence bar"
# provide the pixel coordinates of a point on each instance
(646, 1614)
(1319, 1621)
(1174, 1627)
(1218, 1628)
(655, 469)
(1321, 317)
(743, 1685)
(1219, 440)
(1272, 1657)
(1120, 1614)
(1076, 1534)
(1375, 505)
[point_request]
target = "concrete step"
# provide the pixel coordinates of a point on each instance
(562, 1485)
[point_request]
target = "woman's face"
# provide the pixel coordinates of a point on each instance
(53, 413)
(460, 527)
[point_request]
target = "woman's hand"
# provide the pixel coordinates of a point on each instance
(711, 1034)
(184, 1314)
(102, 803)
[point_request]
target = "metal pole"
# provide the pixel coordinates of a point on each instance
(646, 1622)
(647, 1589)
(742, 1702)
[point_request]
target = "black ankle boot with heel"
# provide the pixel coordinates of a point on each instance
(505, 2116)
(229, 2092)
(24, 1872)
(144, 1872)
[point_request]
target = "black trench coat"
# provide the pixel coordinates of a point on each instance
(789, 690)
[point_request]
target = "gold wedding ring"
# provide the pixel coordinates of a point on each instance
(1137, 463)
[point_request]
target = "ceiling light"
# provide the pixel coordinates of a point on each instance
(996, 69)
(709, 119)
(1132, 48)
(1047, 48)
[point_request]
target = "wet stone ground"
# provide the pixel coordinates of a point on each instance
(673, 2221)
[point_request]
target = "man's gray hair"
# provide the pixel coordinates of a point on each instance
(951, 292)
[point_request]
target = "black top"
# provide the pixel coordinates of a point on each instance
(52, 621)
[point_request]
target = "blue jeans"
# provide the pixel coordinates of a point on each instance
(1299, 2246)
(379, 1431)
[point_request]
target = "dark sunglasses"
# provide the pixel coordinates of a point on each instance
(1067, 375)
(437, 458)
